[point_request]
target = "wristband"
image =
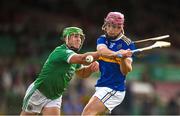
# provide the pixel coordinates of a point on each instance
(119, 55)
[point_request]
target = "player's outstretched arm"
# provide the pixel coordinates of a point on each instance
(105, 52)
(81, 58)
(86, 71)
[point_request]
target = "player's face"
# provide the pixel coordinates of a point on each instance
(113, 30)
(75, 41)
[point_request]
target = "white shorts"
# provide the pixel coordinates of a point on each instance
(109, 97)
(34, 101)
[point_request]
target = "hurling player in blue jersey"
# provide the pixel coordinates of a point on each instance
(110, 88)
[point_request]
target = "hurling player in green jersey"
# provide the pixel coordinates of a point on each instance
(44, 95)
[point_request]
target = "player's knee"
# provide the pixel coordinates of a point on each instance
(86, 111)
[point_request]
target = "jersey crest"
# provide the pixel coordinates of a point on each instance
(111, 45)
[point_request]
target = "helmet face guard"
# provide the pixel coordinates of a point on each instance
(67, 32)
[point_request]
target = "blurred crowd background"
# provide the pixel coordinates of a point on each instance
(31, 29)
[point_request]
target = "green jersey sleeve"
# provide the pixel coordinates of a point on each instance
(61, 53)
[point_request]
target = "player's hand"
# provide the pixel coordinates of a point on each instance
(125, 53)
(94, 66)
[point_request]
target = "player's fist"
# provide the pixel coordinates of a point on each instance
(125, 53)
(94, 66)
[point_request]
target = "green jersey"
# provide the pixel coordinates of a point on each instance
(56, 72)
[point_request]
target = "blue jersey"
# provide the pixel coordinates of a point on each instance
(111, 76)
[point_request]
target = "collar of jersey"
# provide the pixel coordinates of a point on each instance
(65, 46)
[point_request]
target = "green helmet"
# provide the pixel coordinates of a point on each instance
(72, 30)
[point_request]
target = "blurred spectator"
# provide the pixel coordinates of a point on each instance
(173, 107)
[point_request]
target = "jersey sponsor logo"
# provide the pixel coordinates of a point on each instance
(70, 73)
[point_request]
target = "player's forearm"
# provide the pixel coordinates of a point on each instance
(81, 58)
(125, 66)
(107, 52)
(94, 54)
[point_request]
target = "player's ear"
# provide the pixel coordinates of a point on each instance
(66, 40)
